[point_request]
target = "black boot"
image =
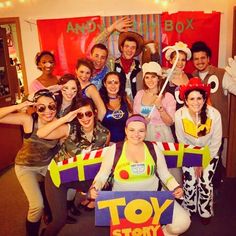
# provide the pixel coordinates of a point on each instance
(47, 215)
(72, 208)
(32, 228)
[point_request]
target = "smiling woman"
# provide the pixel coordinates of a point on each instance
(84, 133)
(35, 154)
(45, 61)
(200, 125)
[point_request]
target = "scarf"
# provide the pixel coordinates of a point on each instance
(126, 64)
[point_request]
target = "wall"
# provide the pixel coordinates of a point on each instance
(32, 10)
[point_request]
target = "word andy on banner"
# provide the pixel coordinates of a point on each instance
(86, 27)
(144, 229)
(136, 207)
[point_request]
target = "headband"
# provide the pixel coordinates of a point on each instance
(134, 118)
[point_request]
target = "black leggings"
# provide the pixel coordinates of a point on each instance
(57, 201)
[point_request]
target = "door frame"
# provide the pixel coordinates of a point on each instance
(16, 21)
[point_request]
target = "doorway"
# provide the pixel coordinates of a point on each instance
(14, 41)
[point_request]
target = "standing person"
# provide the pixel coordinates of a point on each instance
(66, 101)
(84, 133)
(45, 61)
(135, 152)
(199, 124)
(84, 70)
(179, 77)
(118, 107)
(158, 110)
(99, 55)
(130, 45)
(221, 84)
(35, 154)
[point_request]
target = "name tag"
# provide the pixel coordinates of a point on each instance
(138, 169)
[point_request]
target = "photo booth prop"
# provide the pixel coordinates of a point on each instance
(66, 36)
(134, 211)
(86, 165)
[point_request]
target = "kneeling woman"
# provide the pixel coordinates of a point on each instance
(134, 152)
(83, 132)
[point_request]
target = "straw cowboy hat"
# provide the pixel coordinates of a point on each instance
(180, 46)
(138, 38)
(152, 67)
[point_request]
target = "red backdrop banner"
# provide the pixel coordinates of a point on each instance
(68, 39)
(190, 27)
(71, 38)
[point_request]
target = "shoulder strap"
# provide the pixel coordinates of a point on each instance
(151, 149)
(119, 147)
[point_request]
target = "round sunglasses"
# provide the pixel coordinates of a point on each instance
(42, 108)
(81, 115)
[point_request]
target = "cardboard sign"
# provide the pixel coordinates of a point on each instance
(137, 207)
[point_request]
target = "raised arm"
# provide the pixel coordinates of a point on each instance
(58, 128)
(13, 115)
(121, 25)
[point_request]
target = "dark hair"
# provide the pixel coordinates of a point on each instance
(39, 55)
(43, 93)
(63, 80)
(100, 46)
(200, 46)
(203, 114)
(85, 62)
(82, 102)
(121, 93)
(160, 82)
(130, 39)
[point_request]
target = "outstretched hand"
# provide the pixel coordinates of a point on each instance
(55, 88)
(122, 25)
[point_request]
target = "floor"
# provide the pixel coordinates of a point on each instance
(13, 209)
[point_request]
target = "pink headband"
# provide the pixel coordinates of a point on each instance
(136, 118)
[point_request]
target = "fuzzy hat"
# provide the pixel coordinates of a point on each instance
(180, 46)
(194, 83)
(138, 38)
(152, 67)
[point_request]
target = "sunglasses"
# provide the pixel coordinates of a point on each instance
(81, 115)
(43, 92)
(42, 108)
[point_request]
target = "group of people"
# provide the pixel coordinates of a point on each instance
(98, 106)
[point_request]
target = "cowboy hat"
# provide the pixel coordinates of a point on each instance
(193, 84)
(138, 38)
(180, 46)
(152, 67)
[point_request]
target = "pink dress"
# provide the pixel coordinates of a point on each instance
(157, 130)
